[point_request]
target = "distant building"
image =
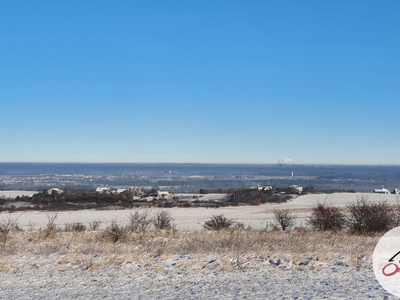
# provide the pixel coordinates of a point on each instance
(137, 191)
(267, 187)
(163, 195)
(261, 188)
(103, 190)
(120, 191)
(58, 191)
(382, 191)
(396, 191)
(297, 188)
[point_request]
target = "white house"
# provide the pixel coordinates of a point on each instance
(163, 195)
(103, 190)
(297, 188)
(137, 191)
(382, 191)
(58, 191)
(261, 188)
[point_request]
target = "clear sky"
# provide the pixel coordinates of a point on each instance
(200, 81)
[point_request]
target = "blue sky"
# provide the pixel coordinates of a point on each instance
(200, 81)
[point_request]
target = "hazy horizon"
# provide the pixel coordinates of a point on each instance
(197, 163)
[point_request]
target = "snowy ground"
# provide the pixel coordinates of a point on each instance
(192, 218)
(42, 279)
(12, 194)
(45, 272)
(338, 199)
(202, 197)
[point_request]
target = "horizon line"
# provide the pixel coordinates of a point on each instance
(201, 163)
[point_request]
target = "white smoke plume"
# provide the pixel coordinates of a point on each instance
(285, 161)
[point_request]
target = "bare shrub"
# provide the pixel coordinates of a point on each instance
(365, 216)
(326, 217)
(51, 227)
(114, 232)
(396, 211)
(140, 220)
(218, 222)
(68, 227)
(94, 225)
(6, 225)
(75, 227)
(51, 221)
(284, 219)
(240, 226)
(163, 220)
(31, 225)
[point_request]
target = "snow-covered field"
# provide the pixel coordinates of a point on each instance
(78, 266)
(46, 279)
(189, 265)
(192, 218)
(338, 199)
(14, 193)
(202, 197)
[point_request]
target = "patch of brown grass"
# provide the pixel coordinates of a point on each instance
(89, 250)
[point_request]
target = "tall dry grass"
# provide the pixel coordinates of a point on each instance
(90, 247)
(296, 245)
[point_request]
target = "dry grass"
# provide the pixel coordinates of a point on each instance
(75, 246)
(92, 249)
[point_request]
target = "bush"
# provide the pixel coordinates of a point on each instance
(94, 225)
(140, 220)
(114, 232)
(51, 222)
(218, 222)
(6, 225)
(163, 220)
(326, 217)
(51, 227)
(284, 219)
(75, 227)
(365, 216)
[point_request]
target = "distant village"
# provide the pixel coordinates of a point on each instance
(170, 182)
(136, 193)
